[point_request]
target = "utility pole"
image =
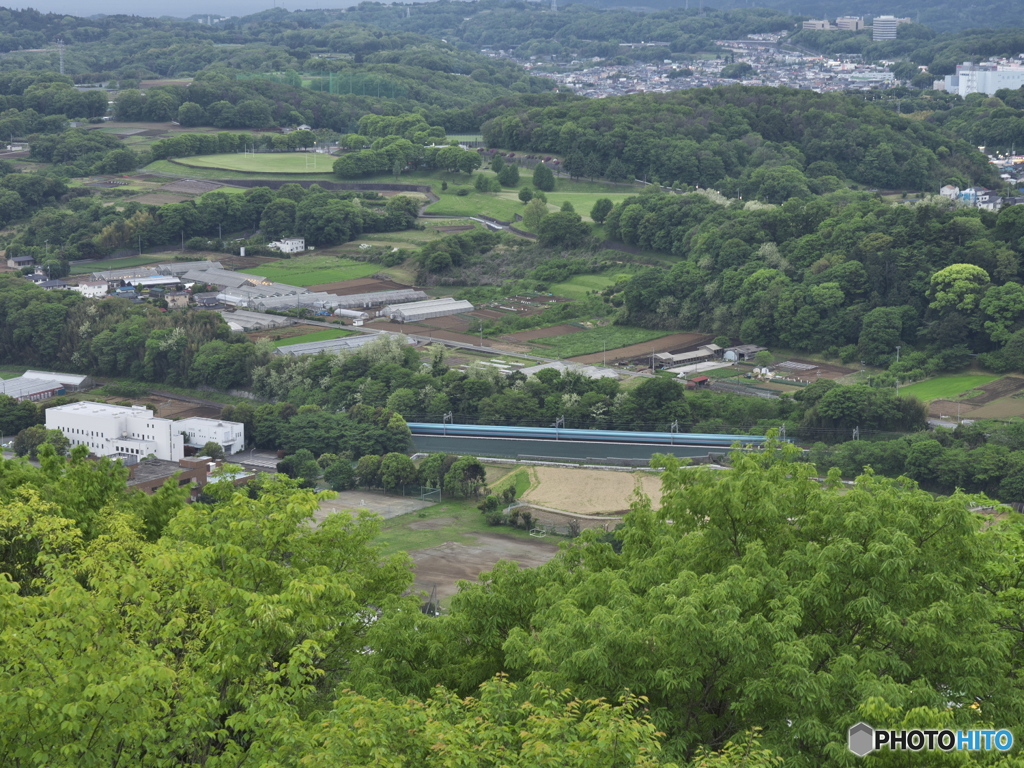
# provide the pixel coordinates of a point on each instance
(446, 419)
(898, 347)
(559, 422)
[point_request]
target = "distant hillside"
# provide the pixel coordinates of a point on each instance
(941, 15)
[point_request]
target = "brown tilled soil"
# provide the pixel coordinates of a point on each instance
(1007, 385)
(231, 261)
(359, 285)
(827, 371)
(949, 409)
(672, 343)
(449, 323)
(544, 333)
(488, 314)
(160, 198)
(287, 332)
(445, 565)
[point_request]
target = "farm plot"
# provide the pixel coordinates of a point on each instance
(590, 491)
(313, 270)
(544, 333)
(160, 198)
(945, 387)
(595, 340)
(666, 343)
(1008, 385)
(359, 285)
(324, 334)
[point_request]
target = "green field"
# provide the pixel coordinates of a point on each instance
(324, 335)
(609, 337)
(132, 261)
(461, 517)
(477, 203)
(944, 387)
(279, 162)
(580, 285)
(583, 201)
(166, 166)
(313, 270)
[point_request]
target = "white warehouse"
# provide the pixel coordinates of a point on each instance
(112, 430)
(424, 310)
(198, 432)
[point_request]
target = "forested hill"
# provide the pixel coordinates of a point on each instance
(740, 138)
(938, 14)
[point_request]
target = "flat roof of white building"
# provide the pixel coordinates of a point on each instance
(89, 408)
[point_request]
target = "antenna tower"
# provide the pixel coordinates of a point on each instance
(60, 50)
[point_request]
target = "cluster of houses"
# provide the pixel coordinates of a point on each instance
(980, 197)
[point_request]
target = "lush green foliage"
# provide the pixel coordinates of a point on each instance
(764, 142)
(848, 274)
(757, 596)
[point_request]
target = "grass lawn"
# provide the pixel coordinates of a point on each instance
(944, 387)
(396, 535)
(278, 162)
(324, 335)
(132, 261)
(195, 172)
(476, 203)
(584, 201)
(579, 285)
(609, 337)
(312, 270)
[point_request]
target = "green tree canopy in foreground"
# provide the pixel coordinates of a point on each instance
(757, 597)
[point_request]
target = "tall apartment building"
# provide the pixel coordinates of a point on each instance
(987, 78)
(885, 27)
(111, 430)
(850, 23)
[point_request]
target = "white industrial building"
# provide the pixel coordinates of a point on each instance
(22, 388)
(92, 289)
(72, 382)
(243, 320)
(378, 298)
(424, 310)
(987, 78)
(230, 435)
(288, 245)
(115, 430)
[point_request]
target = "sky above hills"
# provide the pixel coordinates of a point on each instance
(176, 8)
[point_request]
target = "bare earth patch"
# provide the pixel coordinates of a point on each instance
(453, 561)
(590, 491)
(384, 505)
(432, 525)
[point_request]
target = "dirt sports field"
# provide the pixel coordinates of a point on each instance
(452, 561)
(590, 491)
(672, 343)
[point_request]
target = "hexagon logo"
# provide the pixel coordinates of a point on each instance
(861, 739)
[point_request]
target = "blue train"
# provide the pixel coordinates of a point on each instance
(585, 435)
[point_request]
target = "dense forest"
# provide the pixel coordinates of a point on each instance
(740, 139)
(844, 274)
